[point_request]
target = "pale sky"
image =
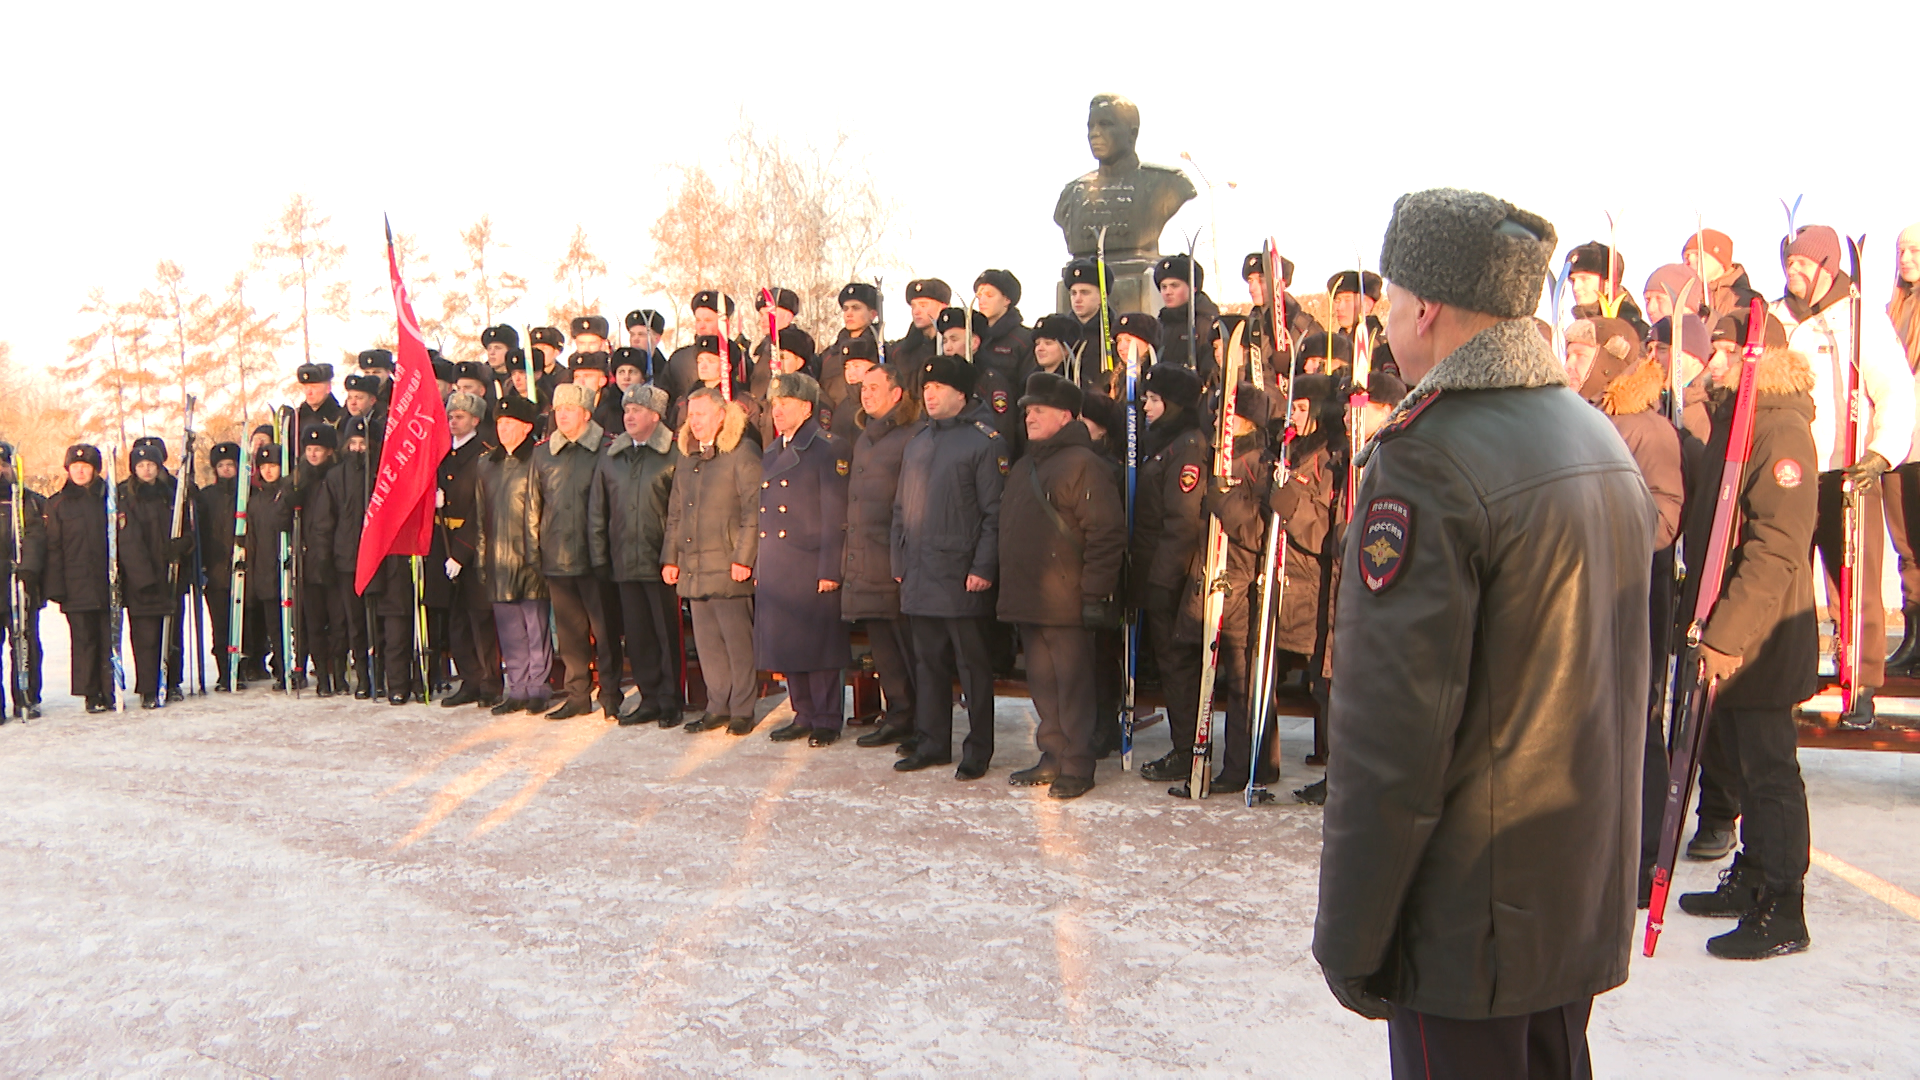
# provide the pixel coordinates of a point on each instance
(141, 132)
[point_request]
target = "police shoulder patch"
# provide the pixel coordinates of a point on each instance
(1385, 542)
(1189, 478)
(1001, 461)
(840, 465)
(999, 401)
(1786, 473)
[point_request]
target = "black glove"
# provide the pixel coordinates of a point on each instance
(604, 572)
(1101, 613)
(1865, 473)
(179, 548)
(1353, 994)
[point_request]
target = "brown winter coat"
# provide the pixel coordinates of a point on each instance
(1048, 571)
(868, 590)
(713, 514)
(1631, 401)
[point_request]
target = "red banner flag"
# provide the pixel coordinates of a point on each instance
(399, 517)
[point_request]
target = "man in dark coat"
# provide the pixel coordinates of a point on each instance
(1762, 643)
(23, 558)
(945, 551)
(712, 542)
(213, 509)
(1181, 283)
(627, 518)
(148, 551)
(993, 393)
(319, 405)
(76, 576)
(505, 532)
(683, 367)
(564, 462)
(1168, 537)
(1063, 536)
(926, 299)
(269, 521)
(476, 649)
(1489, 674)
(322, 610)
(645, 330)
(1005, 345)
(342, 510)
(1093, 354)
(869, 595)
(797, 629)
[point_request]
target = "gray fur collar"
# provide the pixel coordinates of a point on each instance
(1507, 355)
(657, 442)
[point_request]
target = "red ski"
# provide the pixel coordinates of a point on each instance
(1694, 702)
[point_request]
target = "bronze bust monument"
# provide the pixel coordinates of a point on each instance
(1133, 200)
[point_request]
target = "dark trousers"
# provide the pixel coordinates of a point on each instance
(1653, 759)
(89, 671)
(650, 614)
(396, 648)
(1828, 539)
(1178, 663)
(817, 699)
(945, 650)
(359, 637)
(476, 645)
(723, 638)
(892, 643)
(580, 623)
(1548, 1045)
(320, 610)
(526, 649)
(220, 623)
(1234, 749)
(145, 632)
(260, 636)
(1900, 500)
(1060, 680)
(1109, 680)
(29, 691)
(1774, 830)
(1719, 780)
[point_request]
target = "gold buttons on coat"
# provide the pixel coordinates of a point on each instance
(783, 534)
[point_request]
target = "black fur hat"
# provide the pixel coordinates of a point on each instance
(1175, 383)
(320, 435)
(648, 318)
(504, 334)
(929, 289)
(86, 452)
(591, 361)
(953, 318)
(1180, 268)
(148, 448)
(546, 335)
(313, 374)
(1141, 325)
(800, 343)
(1046, 388)
(1084, 272)
(1002, 280)
(366, 384)
(711, 300)
(951, 371)
(230, 451)
(515, 407)
(1355, 281)
(1256, 264)
(588, 324)
(377, 359)
(1324, 346)
(782, 298)
(1064, 329)
(861, 291)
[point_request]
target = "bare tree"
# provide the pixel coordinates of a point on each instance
(489, 292)
(37, 421)
(580, 272)
(95, 367)
(245, 341)
(297, 241)
(808, 219)
(187, 331)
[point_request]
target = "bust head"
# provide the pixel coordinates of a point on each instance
(1113, 126)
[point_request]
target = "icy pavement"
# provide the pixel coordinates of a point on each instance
(253, 885)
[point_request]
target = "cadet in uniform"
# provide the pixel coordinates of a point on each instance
(1168, 544)
(476, 650)
(76, 576)
(926, 299)
(22, 558)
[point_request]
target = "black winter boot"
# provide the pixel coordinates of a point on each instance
(1739, 892)
(1777, 926)
(1902, 660)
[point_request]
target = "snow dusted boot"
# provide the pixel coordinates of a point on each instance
(1777, 926)
(1902, 660)
(1738, 894)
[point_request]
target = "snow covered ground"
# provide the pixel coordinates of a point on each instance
(252, 885)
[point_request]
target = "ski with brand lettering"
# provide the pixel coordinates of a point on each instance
(1213, 602)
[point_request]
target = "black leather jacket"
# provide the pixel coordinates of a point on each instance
(564, 468)
(1489, 697)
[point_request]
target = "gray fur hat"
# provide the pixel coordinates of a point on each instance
(1468, 249)
(471, 404)
(647, 396)
(796, 385)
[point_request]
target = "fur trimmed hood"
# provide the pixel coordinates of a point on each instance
(731, 430)
(903, 414)
(1783, 371)
(1636, 390)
